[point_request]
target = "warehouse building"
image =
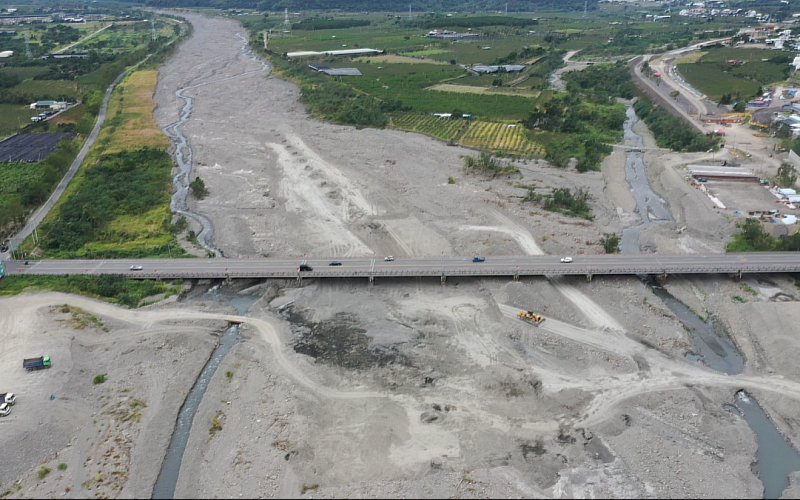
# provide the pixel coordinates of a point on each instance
(716, 173)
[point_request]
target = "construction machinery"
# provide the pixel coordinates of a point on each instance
(531, 317)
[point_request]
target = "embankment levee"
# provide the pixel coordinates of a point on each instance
(669, 106)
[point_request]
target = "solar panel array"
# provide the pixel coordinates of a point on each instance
(29, 147)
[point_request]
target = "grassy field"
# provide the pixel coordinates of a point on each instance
(14, 115)
(44, 88)
(129, 125)
(24, 72)
(467, 89)
(712, 75)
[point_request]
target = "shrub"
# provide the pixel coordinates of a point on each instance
(99, 379)
(43, 471)
(62, 466)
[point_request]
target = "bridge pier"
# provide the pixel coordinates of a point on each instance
(516, 277)
(737, 277)
(444, 279)
(371, 280)
(589, 278)
(228, 280)
(662, 279)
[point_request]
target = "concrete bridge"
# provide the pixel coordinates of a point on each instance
(660, 265)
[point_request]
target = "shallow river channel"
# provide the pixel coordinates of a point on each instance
(712, 346)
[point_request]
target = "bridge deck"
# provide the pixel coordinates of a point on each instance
(366, 267)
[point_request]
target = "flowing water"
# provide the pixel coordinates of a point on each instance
(171, 467)
(712, 345)
(776, 456)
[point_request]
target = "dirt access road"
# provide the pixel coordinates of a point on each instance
(407, 387)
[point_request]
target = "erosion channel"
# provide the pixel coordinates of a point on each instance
(712, 346)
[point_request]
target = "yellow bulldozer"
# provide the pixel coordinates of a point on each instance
(531, 317)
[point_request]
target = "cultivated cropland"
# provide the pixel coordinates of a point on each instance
(406, 387)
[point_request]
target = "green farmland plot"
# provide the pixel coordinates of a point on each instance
(713, 75)
(441, 128)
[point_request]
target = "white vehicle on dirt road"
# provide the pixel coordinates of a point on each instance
(5, 409)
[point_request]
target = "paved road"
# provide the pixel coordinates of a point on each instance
(778, 262)
(34, 221)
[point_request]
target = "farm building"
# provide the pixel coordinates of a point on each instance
(494, 69)
(54, 105)
(348, 52)
(6, 53)
(335, 71)
(717, 173)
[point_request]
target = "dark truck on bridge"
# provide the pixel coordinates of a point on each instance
(36, 363)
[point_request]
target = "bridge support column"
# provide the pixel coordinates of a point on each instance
(737, 277)
(516, 277)
(444, 279)
(299, 280)
(589, 278)
(662, 279)
(371, 280)
(228, 281)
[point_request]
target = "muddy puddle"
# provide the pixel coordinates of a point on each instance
(339, 341)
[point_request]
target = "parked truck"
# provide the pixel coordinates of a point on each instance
(531, 317)
(8, 397)
(36, 363)
(5, 409)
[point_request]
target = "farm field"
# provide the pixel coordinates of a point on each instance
(467, 89)
(504, 138)
(711, 74)
(441, 128)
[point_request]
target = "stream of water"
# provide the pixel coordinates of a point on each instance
(776, 456)
(171, 467)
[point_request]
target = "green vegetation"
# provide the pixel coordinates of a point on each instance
(486, 163)
(564, 201)
(571, 127)
(112, 288)
(24, 186)
(450, 180)
(128, 183)
(229, 375)
(787, 175)
(99, 379)
(216, 424)
(737, 72)
(738, 299)
(62, 466)
(329, 24)
(673, 132)
(308, 487)
(754, 238)
(43, 472)
(601, 82)
(610, 242)
(199, 189)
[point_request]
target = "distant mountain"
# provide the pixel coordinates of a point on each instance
(385, 5)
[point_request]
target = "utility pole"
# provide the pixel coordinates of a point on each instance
(27, 47)
(409, 12)
(585, 5)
